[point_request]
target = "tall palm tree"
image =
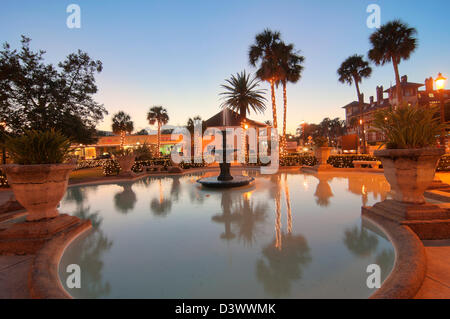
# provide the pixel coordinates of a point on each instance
(242, 94)
(290, 63)
(122, 124)
(353, 70)
(263, 51)
(393, 42)
(158, 114)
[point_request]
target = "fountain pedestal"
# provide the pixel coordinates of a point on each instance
(225, 179)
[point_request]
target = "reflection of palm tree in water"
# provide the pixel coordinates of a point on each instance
(227, 217)
(250, 215)
(360, 241)
(175, 188)
(244, 214)
(125, 200)
(278, 232)
(161, 206)
(90, 251)
(281, 266)
(285, 257)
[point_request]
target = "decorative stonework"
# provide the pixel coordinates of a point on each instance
(409, 171)
(39, 188)
(126, 163)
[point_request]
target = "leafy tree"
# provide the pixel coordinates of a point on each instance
(263, 51)
(158, 115)
(122, 124)
(242, 94)
(142, 132)
(353, 70)
(393, 42)
(40, 96)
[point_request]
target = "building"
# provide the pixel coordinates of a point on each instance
(109, 144)
(411, 95)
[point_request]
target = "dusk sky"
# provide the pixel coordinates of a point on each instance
(178, 53)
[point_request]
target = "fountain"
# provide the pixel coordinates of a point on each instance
(225, 179)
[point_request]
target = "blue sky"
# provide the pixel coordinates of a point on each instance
(178, 53)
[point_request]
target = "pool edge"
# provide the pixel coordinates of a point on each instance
(43, 278)
(410, 265)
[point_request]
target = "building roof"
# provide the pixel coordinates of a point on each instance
(368, 107)
(354, 103)
(405, 85)
(232, 119)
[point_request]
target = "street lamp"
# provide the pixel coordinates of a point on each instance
(440, 85)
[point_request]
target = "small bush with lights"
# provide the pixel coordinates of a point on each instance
(3, 179)
(110, 167)
(444, 164)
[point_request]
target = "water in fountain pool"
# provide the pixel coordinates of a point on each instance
(288, 235)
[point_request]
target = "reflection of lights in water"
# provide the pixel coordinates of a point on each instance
(305, 185)
(288, 204)
(247, 195)
(363, 190)
(161, 195)
(278, 222)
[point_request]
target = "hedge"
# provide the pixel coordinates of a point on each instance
(346, 160)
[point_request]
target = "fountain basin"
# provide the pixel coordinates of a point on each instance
(237, 181)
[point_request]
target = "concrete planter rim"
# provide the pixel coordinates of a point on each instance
(17, 168)
(410, 152)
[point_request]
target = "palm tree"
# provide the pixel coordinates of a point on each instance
(122, 124)
(290, 63)
(264, 52)
(158, 114)
(242, 94)
(353, 70)
(393, 42)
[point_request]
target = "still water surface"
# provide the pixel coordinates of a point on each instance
(289, 235)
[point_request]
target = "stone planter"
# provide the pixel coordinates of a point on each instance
(39, 188)
(409, 171)
(126, 163)
(322, 154)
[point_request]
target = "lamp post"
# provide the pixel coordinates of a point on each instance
(440, 85)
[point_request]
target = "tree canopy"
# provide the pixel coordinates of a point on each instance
(36, 95)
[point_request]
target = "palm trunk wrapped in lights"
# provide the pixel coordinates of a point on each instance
(159, 139)
(274, 106)
(122, 139)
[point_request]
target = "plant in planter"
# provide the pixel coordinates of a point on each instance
(39, 176)
(321, 152)
(410, 157)
(126, 159)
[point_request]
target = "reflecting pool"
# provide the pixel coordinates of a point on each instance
(289, 235)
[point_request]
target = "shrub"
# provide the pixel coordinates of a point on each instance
(298, 160)
(444, 164)
(320, 141)
(3, 179)
(408, 127)
(145, 152)
(346, 161)
(111, 167)
(38, 147)
(123, 152)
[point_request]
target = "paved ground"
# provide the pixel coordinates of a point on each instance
(437, 280)
(14, 276)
